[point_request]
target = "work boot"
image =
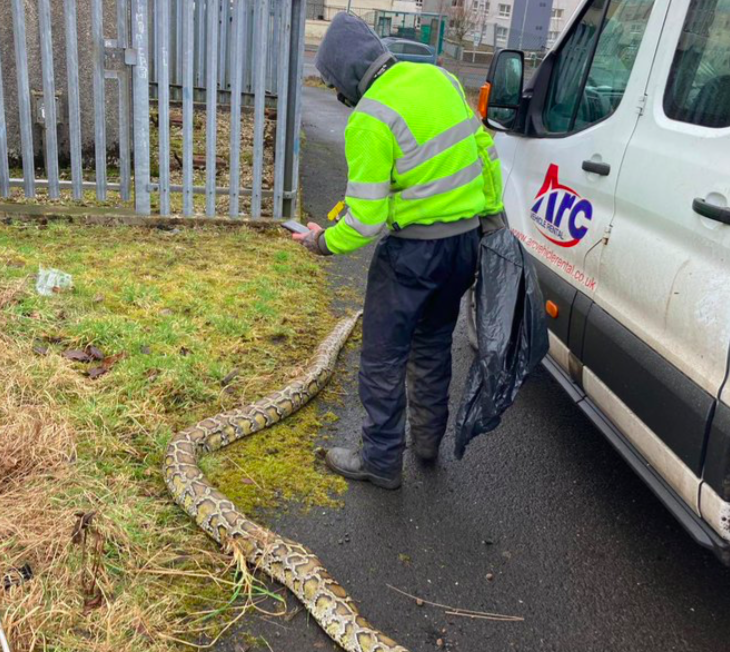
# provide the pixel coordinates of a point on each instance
(349, 464)
(425, 448)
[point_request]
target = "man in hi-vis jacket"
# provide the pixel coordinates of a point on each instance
(422, 169)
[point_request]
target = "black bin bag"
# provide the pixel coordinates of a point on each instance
(511, 331)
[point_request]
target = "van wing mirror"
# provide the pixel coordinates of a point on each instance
(500, 96)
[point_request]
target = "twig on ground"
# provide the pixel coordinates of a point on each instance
(455, 611)
(503, 619)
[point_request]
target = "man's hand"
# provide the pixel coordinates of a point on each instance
(314, 240)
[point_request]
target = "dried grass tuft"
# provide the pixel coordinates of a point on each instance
(38, 453)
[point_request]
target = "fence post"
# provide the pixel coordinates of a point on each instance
(294, 108)
(282, 101)
(238, 50)
(141, 100)
(74, 106)
(21, 64)
(261, 32)
(211, 106)
(97, 32)
(225, 12)
(125, 169)
(200, 12)
(188, 61)
(4, 169)
(49, 97)
(163, 101)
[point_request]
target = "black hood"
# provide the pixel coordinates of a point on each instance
(350, 55)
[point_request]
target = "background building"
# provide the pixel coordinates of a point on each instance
(327, 9)
(532, 25)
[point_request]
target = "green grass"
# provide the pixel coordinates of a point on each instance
(176, 313)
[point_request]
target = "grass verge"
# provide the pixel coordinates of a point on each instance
(160, 330)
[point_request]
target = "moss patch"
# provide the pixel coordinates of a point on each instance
(186, 324)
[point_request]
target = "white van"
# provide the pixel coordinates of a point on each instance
(616, 163)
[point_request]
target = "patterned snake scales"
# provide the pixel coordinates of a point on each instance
(286, 561)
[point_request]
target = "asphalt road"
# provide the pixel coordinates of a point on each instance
(541, 519)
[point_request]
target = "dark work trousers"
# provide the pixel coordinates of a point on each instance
(411, 307)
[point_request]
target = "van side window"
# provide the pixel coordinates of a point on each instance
(698, 91)
(594, 64)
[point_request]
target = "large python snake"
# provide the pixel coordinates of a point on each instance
(285, 561)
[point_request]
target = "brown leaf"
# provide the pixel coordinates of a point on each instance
(98, 298)
(95, 372)
(83, 521)
(94, 602)
(40, 350)
(94, 353)
(145, 350)
(247, 481)
(185, 351)
(76, 356)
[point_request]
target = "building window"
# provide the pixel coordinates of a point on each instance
(558, 13)
(502, 33)
(505, 11)
(553, 36)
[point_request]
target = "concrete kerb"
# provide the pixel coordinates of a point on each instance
(42, 215)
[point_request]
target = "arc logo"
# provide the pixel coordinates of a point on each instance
(560, 214)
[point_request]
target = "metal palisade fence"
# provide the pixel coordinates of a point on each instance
(156, 101)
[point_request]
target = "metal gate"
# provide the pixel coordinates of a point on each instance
(192, 66)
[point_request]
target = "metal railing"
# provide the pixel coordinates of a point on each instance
(228, 50)
(215, 57)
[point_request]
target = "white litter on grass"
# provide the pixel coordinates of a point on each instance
(51, 281)
(4, 645)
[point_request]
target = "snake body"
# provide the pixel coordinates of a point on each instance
(286, 561)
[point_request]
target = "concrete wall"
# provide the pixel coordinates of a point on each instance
(7, 58)
(314, 31)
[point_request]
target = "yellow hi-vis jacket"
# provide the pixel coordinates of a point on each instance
(416, 154)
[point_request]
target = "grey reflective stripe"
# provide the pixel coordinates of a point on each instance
(438, 144)
(493, 155)
(374, 68)
(392, 118)
(454, 82)
(445, 184)
(358, 190)
(365, 230)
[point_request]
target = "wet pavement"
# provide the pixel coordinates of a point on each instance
(542, 519)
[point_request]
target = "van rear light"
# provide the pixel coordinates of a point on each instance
(483, 106)
(551, 308)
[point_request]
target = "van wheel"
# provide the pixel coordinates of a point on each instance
(471, 317)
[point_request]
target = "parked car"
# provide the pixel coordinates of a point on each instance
(406, 50)
(616, 163)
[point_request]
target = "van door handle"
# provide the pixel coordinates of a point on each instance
(711, 211)
(604, 169)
